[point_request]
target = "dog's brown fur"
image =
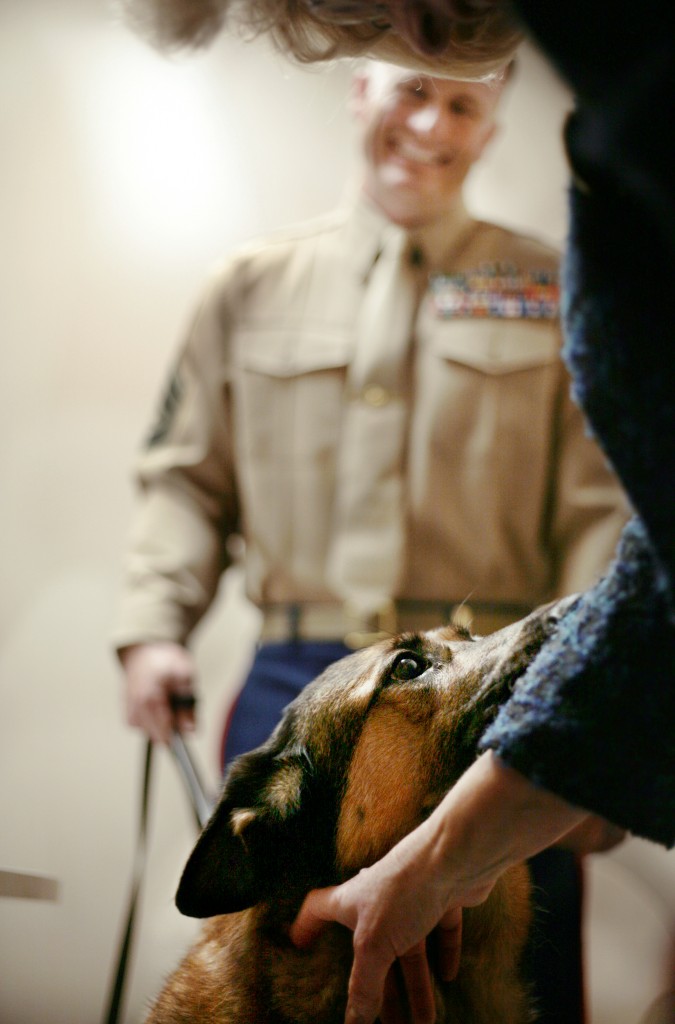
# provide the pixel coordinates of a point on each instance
(359, 759)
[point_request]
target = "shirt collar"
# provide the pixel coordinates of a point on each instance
(439, 240)
(368, 227)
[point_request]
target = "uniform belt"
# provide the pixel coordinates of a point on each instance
(301, 621)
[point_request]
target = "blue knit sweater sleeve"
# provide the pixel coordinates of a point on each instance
(593, 717)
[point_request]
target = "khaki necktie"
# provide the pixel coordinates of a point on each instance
(368, 541)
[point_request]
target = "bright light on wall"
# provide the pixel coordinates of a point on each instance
(157, 169)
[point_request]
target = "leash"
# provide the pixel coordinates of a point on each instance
(117, 991)
(201, 804)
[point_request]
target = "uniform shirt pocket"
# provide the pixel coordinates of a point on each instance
(495, 346)
(292, 351)
(288, 389)
(288, 392)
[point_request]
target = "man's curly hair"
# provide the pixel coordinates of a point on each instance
(484, 35)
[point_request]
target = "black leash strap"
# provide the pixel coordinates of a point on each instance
(117, 992)
(202, 804)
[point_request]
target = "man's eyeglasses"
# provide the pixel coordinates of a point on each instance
(350, 12)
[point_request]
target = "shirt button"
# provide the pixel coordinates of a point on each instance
(376, 395)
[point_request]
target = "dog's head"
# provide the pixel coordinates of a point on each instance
(359, 759)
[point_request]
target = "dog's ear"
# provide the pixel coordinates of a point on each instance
(253, 845)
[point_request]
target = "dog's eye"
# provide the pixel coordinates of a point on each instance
(408, 666)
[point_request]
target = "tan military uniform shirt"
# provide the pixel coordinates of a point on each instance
(507, 499)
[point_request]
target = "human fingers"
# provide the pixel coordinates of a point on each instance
(315, 914)
(184, 721)
(369, 989)
(449, 943)
(367, 980)
(183, 710)
(414, 967)
(156, 674)
(394, 1003)
(151, 714)
(372, 962)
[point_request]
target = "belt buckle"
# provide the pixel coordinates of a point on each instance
(385, 625)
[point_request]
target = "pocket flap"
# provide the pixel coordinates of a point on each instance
(289, 352)
(496, 346)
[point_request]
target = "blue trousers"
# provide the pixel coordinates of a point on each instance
(553, 957)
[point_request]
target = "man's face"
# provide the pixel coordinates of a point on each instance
(421, 135)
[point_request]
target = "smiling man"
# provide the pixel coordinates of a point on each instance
(375, 402)
(421, 136)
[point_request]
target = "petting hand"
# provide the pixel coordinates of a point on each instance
(490, 820)
(408, 990)
(156, 672)
(391, 917)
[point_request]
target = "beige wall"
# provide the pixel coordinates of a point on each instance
(122, 176)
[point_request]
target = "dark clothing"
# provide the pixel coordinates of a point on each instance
(554, 954)
(592, 719)
(277, 675)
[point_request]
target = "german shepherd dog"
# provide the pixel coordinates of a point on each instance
(359, 759)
